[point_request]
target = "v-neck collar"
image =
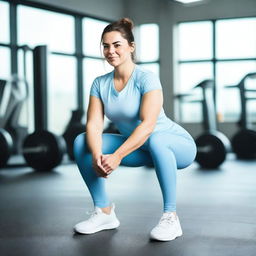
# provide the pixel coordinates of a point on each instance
(127, 83)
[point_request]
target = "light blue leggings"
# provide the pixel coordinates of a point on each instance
(165, 150)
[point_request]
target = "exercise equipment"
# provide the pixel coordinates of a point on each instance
(13, 93)
(212, 145)
(244, 141)
(73, 128)
(6, 144)
(42, 150)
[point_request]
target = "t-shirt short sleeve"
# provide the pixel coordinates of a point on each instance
(150, 82)
(95, 88)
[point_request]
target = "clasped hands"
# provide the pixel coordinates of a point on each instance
(104, 165)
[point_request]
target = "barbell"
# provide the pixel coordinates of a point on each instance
(42, 150)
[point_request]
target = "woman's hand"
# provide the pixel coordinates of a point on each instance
(110, 162)
(97, 166)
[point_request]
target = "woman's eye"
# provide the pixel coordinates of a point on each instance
(117, 45)
(105, 46)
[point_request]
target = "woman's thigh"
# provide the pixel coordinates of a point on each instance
(111, 142)
(183, 147)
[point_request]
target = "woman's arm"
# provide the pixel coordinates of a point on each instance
(94, 129)
(94, 125)
(151, 105)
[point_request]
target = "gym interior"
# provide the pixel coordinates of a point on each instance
(204, 53)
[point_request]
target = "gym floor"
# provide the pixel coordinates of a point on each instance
(217, 210)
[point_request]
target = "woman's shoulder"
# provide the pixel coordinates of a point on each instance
(146, 80)
(105, 77)
(143, 73)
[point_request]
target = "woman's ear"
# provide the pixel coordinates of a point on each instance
(132, 45)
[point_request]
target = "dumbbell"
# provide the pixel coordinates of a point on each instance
(42, 150)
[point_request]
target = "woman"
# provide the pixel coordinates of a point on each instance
(132, 98)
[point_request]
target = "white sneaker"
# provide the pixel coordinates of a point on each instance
(98, 221)
(167, 229)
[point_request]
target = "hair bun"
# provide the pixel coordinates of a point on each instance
(127, 22)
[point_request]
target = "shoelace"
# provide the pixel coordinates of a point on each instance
(92, 214)
(167, 219)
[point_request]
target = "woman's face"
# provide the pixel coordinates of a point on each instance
(116, 49)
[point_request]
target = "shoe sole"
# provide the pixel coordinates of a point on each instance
(100, 228)
(166, 238)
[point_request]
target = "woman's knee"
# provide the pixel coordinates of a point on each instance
(186, 155)
(156, 142)
(79, 144)
(184, 150)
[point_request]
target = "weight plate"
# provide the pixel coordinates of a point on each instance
(212, 148)
(5, 147)
(70, 136)
(244, 144)
(48, 150)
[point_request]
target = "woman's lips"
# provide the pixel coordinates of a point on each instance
(111, 58)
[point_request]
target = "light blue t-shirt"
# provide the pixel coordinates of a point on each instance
(123, 108)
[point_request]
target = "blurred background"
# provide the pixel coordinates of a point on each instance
(182, 43)
(204, 52)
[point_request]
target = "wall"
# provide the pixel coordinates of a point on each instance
(213, 9)
(108, 9)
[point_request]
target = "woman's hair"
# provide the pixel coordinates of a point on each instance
(124, 26)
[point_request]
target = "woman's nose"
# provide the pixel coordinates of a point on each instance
(111, 49)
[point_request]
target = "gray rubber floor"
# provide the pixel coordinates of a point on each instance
(217, 210)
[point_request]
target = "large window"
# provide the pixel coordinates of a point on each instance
(195, 54)
(55, 30)
(62, 91)
(230, 73)
(223, 50)
(236, 38)
(236, 56)
(4, 23)
(39, 27)
(5, 68)
(147, 50)
(5, 53)
(195, 41)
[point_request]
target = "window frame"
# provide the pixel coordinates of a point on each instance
(214, 60)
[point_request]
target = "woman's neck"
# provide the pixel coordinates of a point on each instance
(123, 72)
